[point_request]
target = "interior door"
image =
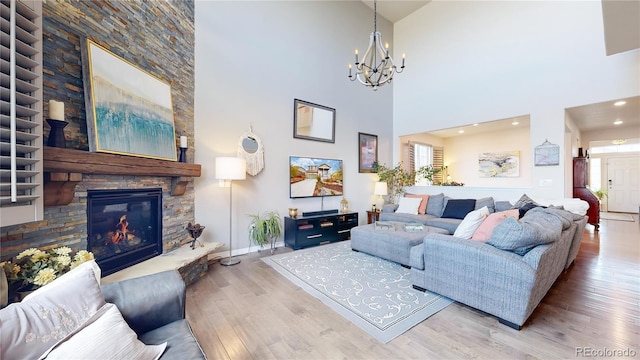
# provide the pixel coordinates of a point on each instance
(623, 184)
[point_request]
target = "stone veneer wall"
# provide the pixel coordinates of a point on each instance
(158, 37)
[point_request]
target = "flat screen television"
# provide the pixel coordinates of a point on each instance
(314, 177)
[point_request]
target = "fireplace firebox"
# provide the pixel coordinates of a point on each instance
(124, 227)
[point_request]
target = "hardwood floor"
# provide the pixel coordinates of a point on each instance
(249, 311)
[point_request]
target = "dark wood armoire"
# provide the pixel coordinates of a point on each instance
(580, 190)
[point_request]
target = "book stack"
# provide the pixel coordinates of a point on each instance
(413, 227)
(383, 225)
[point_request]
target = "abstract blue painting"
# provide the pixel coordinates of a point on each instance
(129, 111)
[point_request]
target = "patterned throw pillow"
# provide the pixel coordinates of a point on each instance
(524, 200)
(31, 327)
(105, 336)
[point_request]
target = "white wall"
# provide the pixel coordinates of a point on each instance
(475, 61)
(252, 59)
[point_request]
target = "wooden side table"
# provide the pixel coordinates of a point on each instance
(372, 216)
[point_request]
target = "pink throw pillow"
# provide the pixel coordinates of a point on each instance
(484, 231)
(423, 204)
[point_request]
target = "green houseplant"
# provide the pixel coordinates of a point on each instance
(601, 194)
(266, 228)
(397, 178)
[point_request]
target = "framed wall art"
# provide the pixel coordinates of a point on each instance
(499, 164)
(546, 154)
(129, 111)
(368, 150)
(313, 122)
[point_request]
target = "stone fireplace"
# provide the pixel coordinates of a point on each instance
(124, 227)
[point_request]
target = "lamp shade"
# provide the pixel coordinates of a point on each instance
(231, 168)
(380, 188)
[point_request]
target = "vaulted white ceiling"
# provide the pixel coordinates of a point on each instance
(621, 26)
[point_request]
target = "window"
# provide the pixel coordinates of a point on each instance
(420, 155)
(21, 112)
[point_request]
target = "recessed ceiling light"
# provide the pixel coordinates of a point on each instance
(619, 141)
(476, 124)
(460, 131)
(515, 123)
(617, 122)
(619, 103)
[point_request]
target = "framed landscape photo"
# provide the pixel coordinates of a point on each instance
(129, 111)
(368, 149)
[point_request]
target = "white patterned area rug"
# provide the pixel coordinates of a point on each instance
(373, 293)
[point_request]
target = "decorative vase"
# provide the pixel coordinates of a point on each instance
(56, 134)
(293, 212)
(195, 231)
(345, 205)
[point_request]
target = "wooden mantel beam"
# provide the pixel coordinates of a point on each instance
(64, 168)
(85, 162)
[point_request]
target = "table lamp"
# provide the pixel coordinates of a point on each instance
(380, 190)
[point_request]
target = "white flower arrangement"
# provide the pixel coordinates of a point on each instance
(33, 268)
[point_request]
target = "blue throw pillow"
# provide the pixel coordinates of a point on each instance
(458, 208)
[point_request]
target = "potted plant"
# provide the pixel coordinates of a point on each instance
(33, 268)
(397, 179)
(600, 194)
(428, 172)
(266, 228)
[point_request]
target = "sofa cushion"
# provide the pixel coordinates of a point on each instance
(423, 204)
(181, 344)
(526, 207)
(502, 205)
(443, 223)
(537, 227)
(435, 204)
(31, 327)
(483, 232)
(409, 205)
(408, 218)
(471, 222)
(524, 199)
(105, 336)
(488, 202)
(458, 208)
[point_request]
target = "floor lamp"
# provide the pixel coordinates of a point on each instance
(227, 170)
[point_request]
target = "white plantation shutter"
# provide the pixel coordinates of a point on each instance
(20, 112)
(438, 162)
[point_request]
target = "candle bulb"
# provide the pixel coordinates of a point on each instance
(403, 60)
(56, 110)
(349, 70)
(356, 56)
(183, 141)
(386, 46)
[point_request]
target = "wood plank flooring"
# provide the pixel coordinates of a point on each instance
(249, 311)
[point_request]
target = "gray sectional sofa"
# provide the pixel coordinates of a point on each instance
(498, 281)
(508, 275)
(435, 207)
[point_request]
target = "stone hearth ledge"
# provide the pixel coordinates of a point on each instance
(179, 259)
